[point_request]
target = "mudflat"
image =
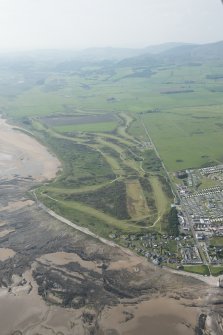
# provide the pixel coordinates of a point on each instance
(56, 280)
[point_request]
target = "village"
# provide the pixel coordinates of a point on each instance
(200, 212)
(200, 216)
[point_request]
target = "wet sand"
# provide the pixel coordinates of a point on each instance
(158, 316)
(50, 267)
(63, 258)
(18, 152)
(163, 316)
(6, 254)
(12, 206)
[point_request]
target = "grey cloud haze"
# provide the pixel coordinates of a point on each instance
(27, 24)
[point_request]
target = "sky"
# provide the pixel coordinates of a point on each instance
(78, 24)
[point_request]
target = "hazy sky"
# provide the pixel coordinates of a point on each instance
(119, 23)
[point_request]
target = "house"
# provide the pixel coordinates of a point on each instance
(199, 236)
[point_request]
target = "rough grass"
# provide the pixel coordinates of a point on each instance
(82, 165)
(91, 127)
(110, 199)
(65, 207)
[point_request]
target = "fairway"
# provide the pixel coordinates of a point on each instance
(136, 202)
(161, 200)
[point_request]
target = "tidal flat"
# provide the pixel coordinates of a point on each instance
(56, 280)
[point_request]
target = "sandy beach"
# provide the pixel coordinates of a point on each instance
(21, 155)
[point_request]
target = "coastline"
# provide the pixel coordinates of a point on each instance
(142, 295)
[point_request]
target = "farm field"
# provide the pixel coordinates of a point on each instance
(113, 91)
(187, 137)
(119, 131)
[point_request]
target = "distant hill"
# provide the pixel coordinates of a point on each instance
(192, 52)
(209, 51)
(184, 53)
(151, 56)
(117, 54)
(97, 54)
(156, 49)
(101, 54)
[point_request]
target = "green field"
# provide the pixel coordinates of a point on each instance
(115, 129)
(216, 241)
(216, 270)
(187, 137)
(199, 269)
(186, 128)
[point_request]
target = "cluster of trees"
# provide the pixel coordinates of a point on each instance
(166, 187)
(173, 223)
(81, 164)
(148, 192)
(151, 162)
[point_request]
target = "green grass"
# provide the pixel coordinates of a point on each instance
(171, 246)
(216, 241)
(199, 269)
(84, 189)
(186, 137)
(186, 132)
(216, 270)
(161, 199)
(171, 265)
(207, 183)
